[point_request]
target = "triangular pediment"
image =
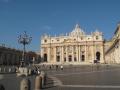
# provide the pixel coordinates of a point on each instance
(77, 31)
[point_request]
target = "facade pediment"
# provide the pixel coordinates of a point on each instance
(77, 31)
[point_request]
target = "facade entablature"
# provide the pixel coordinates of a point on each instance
(77, 35)
(72, 44)
(69, 39)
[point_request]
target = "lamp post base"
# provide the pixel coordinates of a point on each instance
(22, 64)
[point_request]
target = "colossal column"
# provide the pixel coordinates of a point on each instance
(79, 53)
(42, 52)
(66, 54)
(86, 53)
(72, 53)
(49, 54)
(102, 54)
(62, 54)
(92, 53)
(76, 50)
(54, 54)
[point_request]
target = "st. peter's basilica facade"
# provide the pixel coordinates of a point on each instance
(74, 48)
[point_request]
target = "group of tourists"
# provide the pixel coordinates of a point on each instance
(57, 67)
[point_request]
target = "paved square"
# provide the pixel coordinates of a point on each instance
(72, 78)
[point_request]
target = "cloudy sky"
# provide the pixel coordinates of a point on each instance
(55, 17)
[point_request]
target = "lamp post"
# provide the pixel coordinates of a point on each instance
(24, 39)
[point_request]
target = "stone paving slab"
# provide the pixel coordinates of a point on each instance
(91, 78)
(86, 75)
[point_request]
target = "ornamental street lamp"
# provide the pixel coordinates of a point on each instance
(25, 40)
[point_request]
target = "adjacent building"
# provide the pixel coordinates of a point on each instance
(112, 54)
(76, 47)
(11, 56)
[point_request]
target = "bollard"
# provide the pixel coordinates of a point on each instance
(2, 87)
(38, 83)
(42, 83)
(43, 78)
(29, 71)
(43, 75)
(25, 84)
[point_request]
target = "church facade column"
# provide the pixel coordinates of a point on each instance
(92, 53)
(48, 54)
(72, 53)
(79, 53)
(119, 49)
(42, 53)
(67, 54)
(55, 55)
(102, 54)
(85, 53)
(62, 55)
(76, 50)
(95, 50)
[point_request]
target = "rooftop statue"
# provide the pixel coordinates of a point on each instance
(77, 31)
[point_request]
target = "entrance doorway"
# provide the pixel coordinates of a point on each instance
(45, 57)
(58, 58)
(83, 58)
(98, 56)
(70, 58)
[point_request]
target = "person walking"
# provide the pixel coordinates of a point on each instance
(61, 67)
